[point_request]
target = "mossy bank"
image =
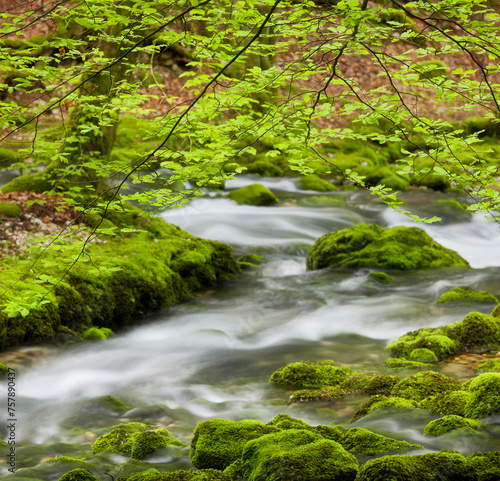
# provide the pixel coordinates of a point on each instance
(113, 282)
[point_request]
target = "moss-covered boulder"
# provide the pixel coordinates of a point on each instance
(444, 466)
(217, 443)
(484, 397)
(297, 454)
(402, 363)
(423, 355)
(450, 403)
(255, 194)
(381, 277)
(477, 332)
(314, 182)
(403, 248)
(452, 422)
(425, 384)
(362, 442)
(467, 295)
(309, 374)
(321, 201)
(97, 334)
(78, 475)
(389, 403)
(486, 465)
(264, 168)
(8, 209)
(492, 365)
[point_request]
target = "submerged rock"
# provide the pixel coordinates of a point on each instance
(403, 248)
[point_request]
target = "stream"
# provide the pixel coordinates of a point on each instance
(212, 357)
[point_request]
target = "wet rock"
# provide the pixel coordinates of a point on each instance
(467, 295)
(314, 182)
(309, 374)
(452, 422)
(255, 194)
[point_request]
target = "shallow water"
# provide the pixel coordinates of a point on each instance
(212, 357)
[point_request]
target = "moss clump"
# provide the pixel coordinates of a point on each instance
(493, 365)
(39, 182)
(148, 442)
(7, 209)
(381, 277)
(484, 396)
(313, 182)
(309, 374)
(443, 466)
(255, 194)
(78, 475)
(264, 168)
(478, 332)
(423, 355)
(425, 384)
(444, 425)
(117, 441)
(297, 454)
(387, 177)
(451, 403)
(217, 443)
(485, 465)
(364, 245)
(449, 210)
(383, 402)
(3, 368)
(7, 157)
(96, 333)
(324, 394)
(467, 295)
(321, 201)
(362, 442)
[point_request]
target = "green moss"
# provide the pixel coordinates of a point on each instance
(252, 258)
(146, 443)
(444, 425)
(485, 465)
(217, 443)
(296, 454)
(481, 125)
(39, 182)
(492, 365)
(381, 277)
(7, 209)
(264, 168)
(450, 210)
(7, 157)
(3, 368)
(450, 403)
(321, 201)
(95, 333)
(383, 402)
(364, 245)
(478, 332)
(496, 312)
(118, 441)
(425, 384)
(314, 182)
(309, 374)
(381, 384)
(78, 475)
(323, 394)
(255, 194)
(362, 442)
(423, 355)
(385, 176)
(443, 466)
(467, 295)
(484, 397)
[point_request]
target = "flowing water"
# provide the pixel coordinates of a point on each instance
(213, 356)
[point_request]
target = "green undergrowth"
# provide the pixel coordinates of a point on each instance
(117, 281)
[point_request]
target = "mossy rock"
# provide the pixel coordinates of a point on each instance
(297, 454)
(148, 442)
(478, 332)
(381, 277)
(217, 443)
(7, 209)
(3, 368)
(425, 384)
(118, 441)
(255, 194)
(467, 295)
(485, 465)
(314, 182)
(7, 157)
(403, 248)
(362, 442)
(423, 355)
(78, 475)
(391, 403)
(450, 403)
(309, 374)
(324, 394)
(385, 176)
(39, 182)
(452, 422)
(484, 397)
(96, 333)
(401, 363)
(443, 466)
(321, 201)
(264, 168)
(492, 365)
(450, 211)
